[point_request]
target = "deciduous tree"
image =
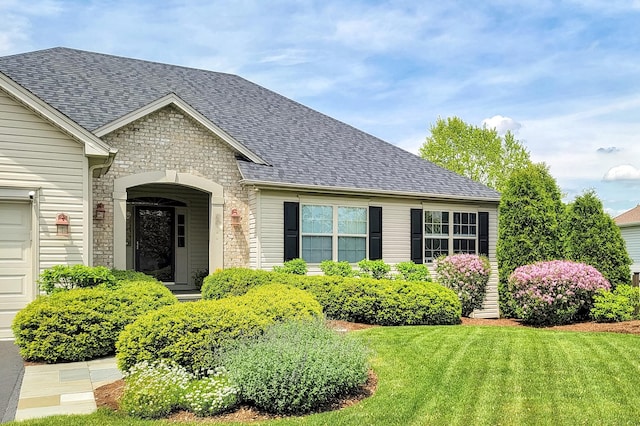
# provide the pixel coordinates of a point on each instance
(477, 153)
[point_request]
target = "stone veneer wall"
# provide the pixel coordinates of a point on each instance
(170, 140)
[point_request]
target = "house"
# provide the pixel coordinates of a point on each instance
(169, 170)
(629, 224)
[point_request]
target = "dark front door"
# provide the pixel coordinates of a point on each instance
(155, 254)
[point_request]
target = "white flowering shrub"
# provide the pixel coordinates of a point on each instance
(155, 389)
(210, 395)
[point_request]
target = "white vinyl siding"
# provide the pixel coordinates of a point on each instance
(36, 155)
(631, 236)
(396, 222)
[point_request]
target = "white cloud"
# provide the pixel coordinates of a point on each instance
(623, 172)
(501, 124)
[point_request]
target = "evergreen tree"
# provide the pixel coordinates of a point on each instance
(530, 227)
(592, 237)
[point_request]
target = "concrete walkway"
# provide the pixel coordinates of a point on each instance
(63, 388)
(11, 370)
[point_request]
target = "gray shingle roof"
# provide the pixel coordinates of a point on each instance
(302, 146)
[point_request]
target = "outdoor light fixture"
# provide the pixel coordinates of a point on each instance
(235, 217)
(100, 211)
(62, 225)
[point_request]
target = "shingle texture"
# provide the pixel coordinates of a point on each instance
(302, 146)
(630, 216)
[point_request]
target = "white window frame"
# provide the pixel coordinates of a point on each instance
(450, 236)
(335, 234)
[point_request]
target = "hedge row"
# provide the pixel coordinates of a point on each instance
(190, 333)
(371, 301)
(84, 323)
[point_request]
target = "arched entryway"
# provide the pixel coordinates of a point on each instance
(168, 224)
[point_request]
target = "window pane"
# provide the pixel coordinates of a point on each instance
(316, 249)
(464, 224)
(434, 247)
(436, 223)
(352, 249)
(317, 219)
(352, 220)
(464, 246)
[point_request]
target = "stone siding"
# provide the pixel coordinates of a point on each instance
(170, 140)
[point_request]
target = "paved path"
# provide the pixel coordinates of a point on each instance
(52, 389)
(11, 370)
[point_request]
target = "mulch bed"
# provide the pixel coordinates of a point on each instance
(108, 395)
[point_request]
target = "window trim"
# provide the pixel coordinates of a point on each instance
(450, 237)
(335, 235)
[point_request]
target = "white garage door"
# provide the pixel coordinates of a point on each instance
(16, 283)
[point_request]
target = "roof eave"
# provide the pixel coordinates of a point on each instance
(93, 145)
(368, 191)
(175, 100)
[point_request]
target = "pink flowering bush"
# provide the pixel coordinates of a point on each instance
(467, 275)
(555, 292)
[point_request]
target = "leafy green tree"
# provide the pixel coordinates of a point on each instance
(530, 227)
(592, 237)
(477, 153)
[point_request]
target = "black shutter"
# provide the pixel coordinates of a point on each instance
(483, 233)
(417, 253)
(375, 233)
(291, 231)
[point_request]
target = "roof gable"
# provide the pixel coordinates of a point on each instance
(285, 142)
(629, 217)
(173, 99)
(93, 146)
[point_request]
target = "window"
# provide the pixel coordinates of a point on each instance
(334, 233)
(449, 232)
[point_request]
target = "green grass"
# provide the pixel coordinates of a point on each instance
(455, 375)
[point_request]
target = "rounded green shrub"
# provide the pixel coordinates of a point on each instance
(333, 268)
(187, 333)
(410, 271)
(64, 277)
(83, 323)
(234, 282)
(294, 266)
(621, 304)
(130, 275)
(374, 268)
(296, 367)
(367, 300)
(395, 302)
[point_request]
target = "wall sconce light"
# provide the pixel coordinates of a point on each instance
(62, 225)
(235, 217)
(99, 211)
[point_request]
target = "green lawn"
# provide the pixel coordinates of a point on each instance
(455, 375)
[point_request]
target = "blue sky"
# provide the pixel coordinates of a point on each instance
(563, 75)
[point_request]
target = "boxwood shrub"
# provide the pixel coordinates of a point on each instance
(83, 323)
(235, 282)
(188, 333)
(367, 300)
(296, 367)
